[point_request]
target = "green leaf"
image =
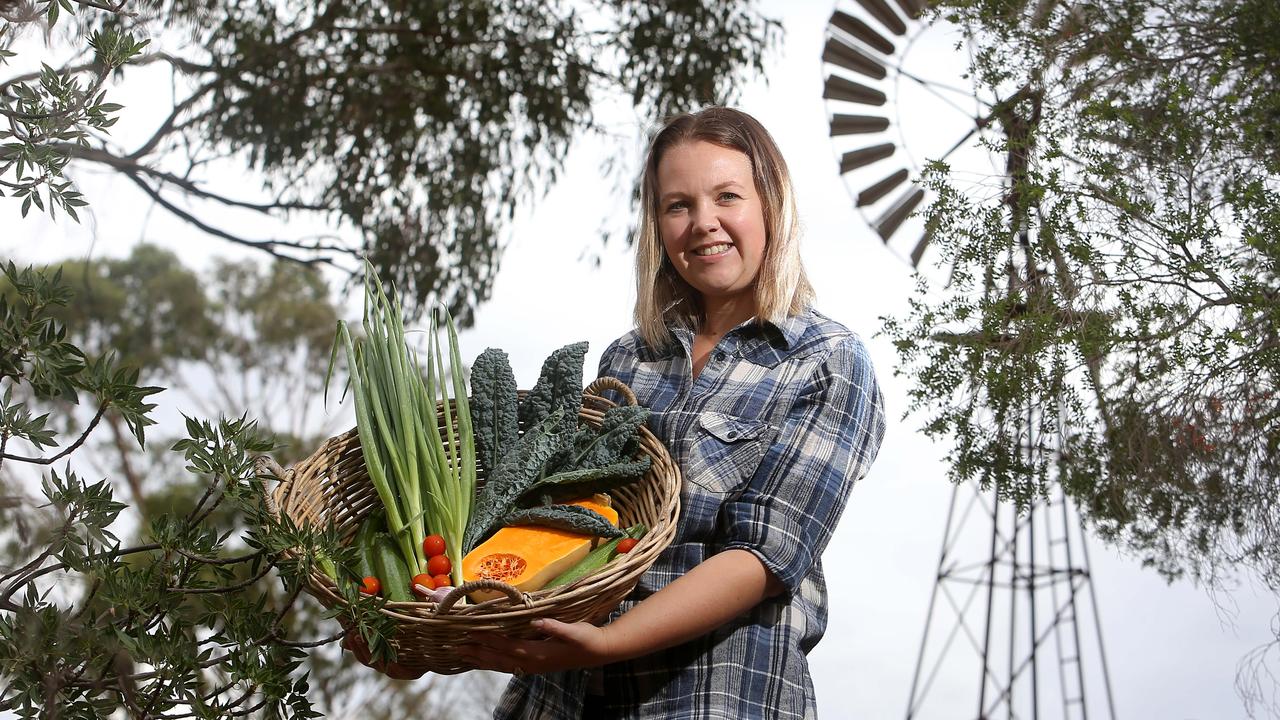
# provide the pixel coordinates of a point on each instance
(494, 406)
(559, 387)
(573, 518)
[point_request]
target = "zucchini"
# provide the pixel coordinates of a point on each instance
(596, 559)
(364, 542)
(325, 563)
(392, 572)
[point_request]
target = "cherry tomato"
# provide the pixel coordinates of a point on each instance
(424, 580)
(433, 545)
(371, 586)
(625, 545)
(439, 565)
(443, 581)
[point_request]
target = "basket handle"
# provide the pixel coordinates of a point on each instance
(266, 465)
(456, 594)
(600, 384)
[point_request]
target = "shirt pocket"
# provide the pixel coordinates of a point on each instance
(725, 451)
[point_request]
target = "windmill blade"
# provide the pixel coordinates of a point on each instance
(857, 124)
(856, 28)
(839, 52)
(880, 10)
(838, 88)
(921, 244)
(889, 223)
(882, 188)
(865, 156)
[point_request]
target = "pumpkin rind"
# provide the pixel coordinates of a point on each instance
(546, 553)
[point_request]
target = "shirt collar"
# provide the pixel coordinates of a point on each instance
(766, 343)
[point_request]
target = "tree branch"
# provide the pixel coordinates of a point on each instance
(79, 441)
(266, 567)
(177, 62)
(168, 125)
(271, 247)
(129, 164)
(63, 566)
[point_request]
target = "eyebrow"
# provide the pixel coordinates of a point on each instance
(720, 186)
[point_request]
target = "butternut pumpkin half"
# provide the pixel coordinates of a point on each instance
(528, 557)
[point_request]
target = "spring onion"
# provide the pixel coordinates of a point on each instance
(425, 478)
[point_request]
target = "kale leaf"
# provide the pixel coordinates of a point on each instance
(573, 518)
(559, 386)
(493, 406)
(515, 473)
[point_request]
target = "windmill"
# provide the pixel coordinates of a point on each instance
(1013, 602)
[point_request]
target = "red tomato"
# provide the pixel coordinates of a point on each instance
(424, 580)
(439, 565)
(625, 545)
(443, 581)
(371, 586)
(433, 545)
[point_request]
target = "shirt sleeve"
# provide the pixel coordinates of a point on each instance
(832, 433)
(608, 358)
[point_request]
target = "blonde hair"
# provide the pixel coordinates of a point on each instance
(781, 288)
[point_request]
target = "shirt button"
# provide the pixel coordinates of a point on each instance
(720, 356)
(732, 435)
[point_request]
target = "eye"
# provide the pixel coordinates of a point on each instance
(727, 196)
(676, 206)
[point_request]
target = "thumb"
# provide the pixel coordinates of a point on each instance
(571, 632)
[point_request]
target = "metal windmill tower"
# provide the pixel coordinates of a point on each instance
(1016, 620)
(1013, 607)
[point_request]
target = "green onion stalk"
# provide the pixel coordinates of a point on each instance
(425, 480)
(451, 444)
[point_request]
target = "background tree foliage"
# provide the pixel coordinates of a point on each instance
(409, 128)
(1111, 316)
(242, 336)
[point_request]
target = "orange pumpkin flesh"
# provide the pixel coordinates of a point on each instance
(528, 557)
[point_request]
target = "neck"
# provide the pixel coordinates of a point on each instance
(720, 315)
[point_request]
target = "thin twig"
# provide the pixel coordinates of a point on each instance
(79, 441)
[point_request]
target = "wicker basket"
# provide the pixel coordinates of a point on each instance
(332, 486)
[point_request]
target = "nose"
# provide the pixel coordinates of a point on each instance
(705, 219)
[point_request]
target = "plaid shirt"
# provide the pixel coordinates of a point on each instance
(770, 438)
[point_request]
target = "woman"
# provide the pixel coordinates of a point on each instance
(772, 412)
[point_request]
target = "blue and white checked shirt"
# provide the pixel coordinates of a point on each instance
(770, 437)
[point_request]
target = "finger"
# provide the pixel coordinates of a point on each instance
(575, 633)
(357, 646)
(499, 643)
(486, 659)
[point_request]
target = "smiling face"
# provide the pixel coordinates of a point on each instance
(711, 220)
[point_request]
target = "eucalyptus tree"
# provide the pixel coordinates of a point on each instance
(1110, 317)
(409, 129)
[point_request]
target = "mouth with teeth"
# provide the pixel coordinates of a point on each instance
(709, 250)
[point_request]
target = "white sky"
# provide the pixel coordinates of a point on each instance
(1171, 653)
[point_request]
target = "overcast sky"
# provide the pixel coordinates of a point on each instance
(1171, 651)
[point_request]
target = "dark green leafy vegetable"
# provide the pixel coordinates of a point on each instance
(587, 481)
(514, 475)
(559, 386)
(555, 459)
(614, 442)
(493, 406)
(574, 518)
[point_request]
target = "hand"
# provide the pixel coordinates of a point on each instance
(395, 671)
(564, 646)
